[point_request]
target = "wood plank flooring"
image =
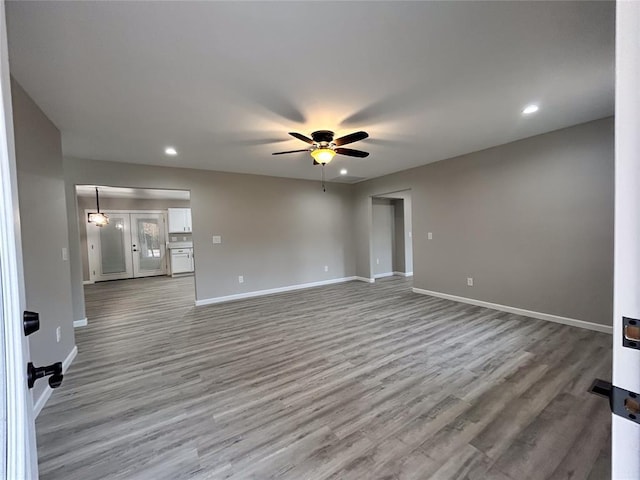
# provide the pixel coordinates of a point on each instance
(348, 381)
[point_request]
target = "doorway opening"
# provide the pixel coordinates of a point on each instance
(391, 240)
(149, 233)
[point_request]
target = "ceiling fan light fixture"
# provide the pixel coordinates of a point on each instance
(323, 155)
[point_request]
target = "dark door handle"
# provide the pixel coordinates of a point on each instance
(54, 370)
(30, 322)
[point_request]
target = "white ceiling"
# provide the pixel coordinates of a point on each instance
(132, 193)
(224, 82)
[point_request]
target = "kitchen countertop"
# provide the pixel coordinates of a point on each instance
(171, 245)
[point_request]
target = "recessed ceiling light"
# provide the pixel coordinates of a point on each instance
(170, 151)
(343, 171)
(529, 109)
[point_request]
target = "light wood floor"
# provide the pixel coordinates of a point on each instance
(349, 381)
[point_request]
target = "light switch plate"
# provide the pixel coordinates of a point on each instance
(430, 236)
(217, 239)
(65, 254)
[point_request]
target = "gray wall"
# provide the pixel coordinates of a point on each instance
(531, 221)
(383, 232)
(275, 231)
(44, 230)
(119, 204)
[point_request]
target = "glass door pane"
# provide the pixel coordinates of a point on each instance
(110, 248)
(148, 244)
(113, 247)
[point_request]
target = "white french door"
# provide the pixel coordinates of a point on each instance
(131, 245)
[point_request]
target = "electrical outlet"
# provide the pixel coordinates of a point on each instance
(326, 268)
(174, 239)
(217, 239)
(65, 254)
(58, 334)
(430, 236)
(377, 261)
(240, 279)
(469, 282)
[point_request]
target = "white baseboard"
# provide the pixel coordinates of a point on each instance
(520, 311)
(182, 274)
(404, 274)
(67, 361)
(365, 279)
(382, 275)
(39, 404)
(271, 291)
(88, 282)
(80, 323)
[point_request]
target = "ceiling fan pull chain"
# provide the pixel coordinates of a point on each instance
(323, 187)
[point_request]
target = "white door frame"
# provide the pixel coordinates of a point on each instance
(393, 195)
(19, 455)
(625, 435)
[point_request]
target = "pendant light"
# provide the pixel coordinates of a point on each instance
(97, 218)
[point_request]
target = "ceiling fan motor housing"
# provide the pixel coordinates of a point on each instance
(322, 137)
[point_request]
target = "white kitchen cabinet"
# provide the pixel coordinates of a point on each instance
(179, 220)
(181, 260)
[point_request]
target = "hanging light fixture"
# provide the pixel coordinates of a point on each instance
(97, 218)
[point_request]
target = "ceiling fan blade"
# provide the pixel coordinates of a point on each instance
(291, 151)
(299, 136)
(352, 137)
(350, 152)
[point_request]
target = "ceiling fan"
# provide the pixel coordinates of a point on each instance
(324, 147)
